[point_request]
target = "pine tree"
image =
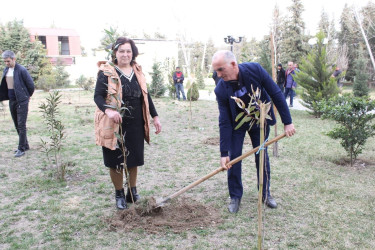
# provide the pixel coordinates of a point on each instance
(294, 43)
(264, 58)
(349, 36)
(15, 37)
(200, 79)
(315, 77)
(157, 87)
(360, 88)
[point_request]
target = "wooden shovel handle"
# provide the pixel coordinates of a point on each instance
(232, 162)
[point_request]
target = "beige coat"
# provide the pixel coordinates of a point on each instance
(105, 128)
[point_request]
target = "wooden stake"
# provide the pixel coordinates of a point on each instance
(261, 167)
(272, 45)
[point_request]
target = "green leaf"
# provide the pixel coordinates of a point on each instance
(239, 116)
(245, 119)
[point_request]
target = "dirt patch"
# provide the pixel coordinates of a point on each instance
(358, 163)
(176, 216)
(212, 141)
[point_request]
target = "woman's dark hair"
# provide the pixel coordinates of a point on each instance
(121, 41)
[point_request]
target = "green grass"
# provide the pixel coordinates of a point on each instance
(322, 204)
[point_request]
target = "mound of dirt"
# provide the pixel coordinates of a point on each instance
(176, 216)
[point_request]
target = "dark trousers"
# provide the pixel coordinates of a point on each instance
(234, 173)
(290, 92)
(19, 116)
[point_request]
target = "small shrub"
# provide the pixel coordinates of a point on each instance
(50, 113)
(354, 116)
(46, 82)
(85, 83)
(193, 93)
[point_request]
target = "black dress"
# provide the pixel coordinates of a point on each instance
(132, 122)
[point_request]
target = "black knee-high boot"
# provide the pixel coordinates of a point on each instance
(120, 199)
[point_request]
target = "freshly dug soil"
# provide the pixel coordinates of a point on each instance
(176, 216)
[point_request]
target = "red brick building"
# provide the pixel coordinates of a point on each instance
(60, 43)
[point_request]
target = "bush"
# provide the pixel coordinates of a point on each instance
(354, 116)
(62, 77)
(46, 82)
(193, 93)
(85, 83)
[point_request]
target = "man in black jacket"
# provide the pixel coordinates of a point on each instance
(17, 86)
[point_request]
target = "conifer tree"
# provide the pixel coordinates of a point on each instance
(360, 88)
(200, 80)
(349, 36)
(315, 77)
(157, 87)
(294, 43)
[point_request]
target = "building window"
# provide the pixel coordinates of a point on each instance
(42, 39)
(64, 45)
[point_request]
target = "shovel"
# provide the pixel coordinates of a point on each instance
(232, 162)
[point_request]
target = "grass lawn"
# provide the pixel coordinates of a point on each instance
(323, 202)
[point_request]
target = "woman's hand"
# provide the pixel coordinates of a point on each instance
(157, 124)
(113, 114)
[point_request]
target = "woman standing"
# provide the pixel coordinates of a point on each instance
(122, 84)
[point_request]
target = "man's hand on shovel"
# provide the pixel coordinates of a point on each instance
(224, 163)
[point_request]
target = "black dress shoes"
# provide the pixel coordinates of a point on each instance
(120, 199)
(270, 202)
(234, 205)
(136, 196)
(19, 153)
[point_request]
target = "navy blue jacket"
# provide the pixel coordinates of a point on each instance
(23, 84)
(251, 74)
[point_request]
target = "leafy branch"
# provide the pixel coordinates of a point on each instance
(251, 113)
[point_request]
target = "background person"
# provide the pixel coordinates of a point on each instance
(336, 74)
(178, 78)
(280, 77)
(290, 84)
(17, 86)
(239, 80)
(135, 123)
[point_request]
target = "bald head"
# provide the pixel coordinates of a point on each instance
(225, 65)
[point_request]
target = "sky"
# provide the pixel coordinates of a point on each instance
(198, 20)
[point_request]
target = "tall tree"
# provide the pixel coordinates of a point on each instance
(349, 36)
(14, 36)
(294, 40)
(276, 32)
(315, 77)
(360, 88)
